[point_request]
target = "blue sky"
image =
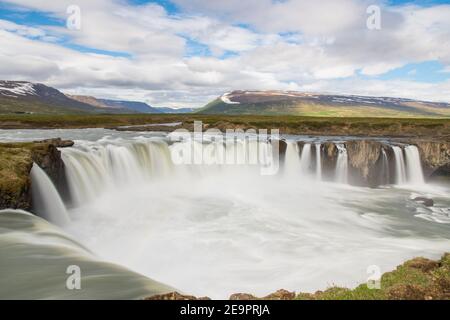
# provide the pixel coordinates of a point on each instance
(168, 48)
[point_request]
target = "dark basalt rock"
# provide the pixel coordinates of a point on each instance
(58, 142)
(427, 202)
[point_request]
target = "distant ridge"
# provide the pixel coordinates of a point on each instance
(35, 98)
(311, 104)
(27, 97)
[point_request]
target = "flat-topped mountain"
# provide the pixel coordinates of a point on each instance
(313, 104)
(118, 105)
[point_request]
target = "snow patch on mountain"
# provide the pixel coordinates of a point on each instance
(15, 89)
(226, 99)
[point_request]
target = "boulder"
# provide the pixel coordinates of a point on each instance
(427, 202)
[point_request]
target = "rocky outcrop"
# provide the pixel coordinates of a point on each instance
(175, 296)
(435, 156)
(365, 162)
(16, 161)
(279, 295)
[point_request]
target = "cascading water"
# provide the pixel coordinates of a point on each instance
(385, 167)
(292, 159)
(93, 169)
(306, 159)
(222, 231)
(400, 171)
(46, 200)
(342, 164)
(318, 162)
(408, 167)
(413, 165)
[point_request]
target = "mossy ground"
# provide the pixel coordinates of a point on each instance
(16, 161)
(15, 165)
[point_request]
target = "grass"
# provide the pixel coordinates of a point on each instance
(16, 161)
(15, 165)
(286, 124)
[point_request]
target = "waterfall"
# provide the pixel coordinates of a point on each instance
(318, 162)
(385, 168)
(306, 159)
(46, 200)
(400, 171)
(342, 164)
(92, 169)
(292, 159)
(413, 165)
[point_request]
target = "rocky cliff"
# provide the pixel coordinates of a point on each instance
(16, 161)
(372, 163)
(435, 156)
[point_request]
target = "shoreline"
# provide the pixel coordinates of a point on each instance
(416, 279)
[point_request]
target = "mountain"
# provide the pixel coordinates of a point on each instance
(311, 104)
(173, 110)
(27, 97)
(119, 106)
(140, 107)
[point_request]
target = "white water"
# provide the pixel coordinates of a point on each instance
(318, 162)
(306, 159)
(36, 254)
(400, 171)
(46, 200)
(414, 166)
(292, 159)
(216, 230)
(385, 167)
(342, 164)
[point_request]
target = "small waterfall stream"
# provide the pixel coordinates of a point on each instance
(414, 166)
(400, 171)
(385, 175)
(46, 200)
(342, 164)
(318, 162)
(306, 159)
(292, 159)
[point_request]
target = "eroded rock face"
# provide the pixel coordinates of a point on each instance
(329, 158)
(364, 161)
(435, 157)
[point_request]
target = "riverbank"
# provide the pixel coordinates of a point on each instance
(370, 127)
(416, 279)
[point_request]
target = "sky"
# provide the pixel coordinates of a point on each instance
(184, 53)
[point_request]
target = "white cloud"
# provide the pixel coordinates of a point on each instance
(291, 44)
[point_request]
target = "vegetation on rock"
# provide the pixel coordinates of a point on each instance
(16, 161)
